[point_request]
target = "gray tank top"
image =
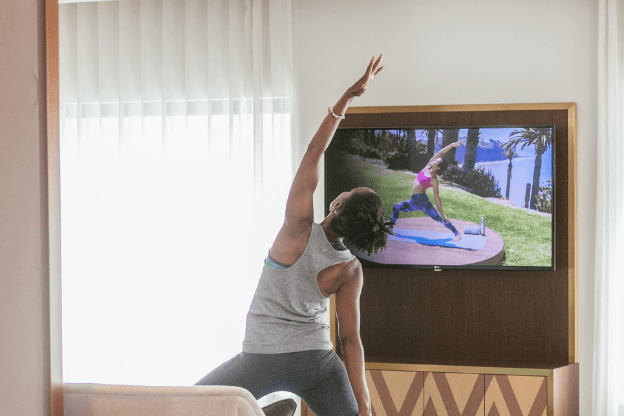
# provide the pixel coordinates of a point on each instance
(286, 314)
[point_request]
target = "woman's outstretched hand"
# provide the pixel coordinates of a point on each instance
(361, 84)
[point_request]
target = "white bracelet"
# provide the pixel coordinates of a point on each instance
(331, 110)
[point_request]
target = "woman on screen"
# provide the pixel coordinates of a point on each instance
(428, 178)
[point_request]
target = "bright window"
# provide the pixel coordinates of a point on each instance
(176, 161)
(163, 241)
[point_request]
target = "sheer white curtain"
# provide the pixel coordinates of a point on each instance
(608, 378)
(175, 167)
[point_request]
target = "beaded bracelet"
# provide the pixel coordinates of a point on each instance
(331, 110)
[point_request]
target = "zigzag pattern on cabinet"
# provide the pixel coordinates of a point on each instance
(407, 393)
(453, 394)
(395, 393)
(515, 395)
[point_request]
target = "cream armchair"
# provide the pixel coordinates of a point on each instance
(107, 400)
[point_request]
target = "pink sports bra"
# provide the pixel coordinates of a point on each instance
(424, 180)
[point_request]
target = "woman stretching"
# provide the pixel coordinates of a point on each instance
(428, 178)
(287, 345)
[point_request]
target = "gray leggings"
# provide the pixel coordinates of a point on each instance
(317, 376)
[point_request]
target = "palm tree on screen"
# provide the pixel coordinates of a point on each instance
(450, 136)
(472, 143)
(510, 152)
(541, 138)
(431, 136)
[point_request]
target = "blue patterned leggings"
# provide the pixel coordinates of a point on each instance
(420, 202)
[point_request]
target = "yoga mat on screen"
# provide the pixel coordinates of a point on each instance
(431, 238)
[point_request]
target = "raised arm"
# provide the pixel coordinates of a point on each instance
(444, 150)
(299, 208)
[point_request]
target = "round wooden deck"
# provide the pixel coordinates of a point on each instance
(414, 254)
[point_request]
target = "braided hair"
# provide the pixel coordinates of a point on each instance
(360, 222)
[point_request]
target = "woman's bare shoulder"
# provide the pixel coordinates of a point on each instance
(351, 269)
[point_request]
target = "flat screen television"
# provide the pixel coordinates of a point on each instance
(497, 192)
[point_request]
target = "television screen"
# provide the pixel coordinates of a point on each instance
(488, 205)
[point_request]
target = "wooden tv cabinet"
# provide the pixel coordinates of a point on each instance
(436, 390)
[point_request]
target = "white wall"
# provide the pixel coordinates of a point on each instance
(24, 315)
(461, 52)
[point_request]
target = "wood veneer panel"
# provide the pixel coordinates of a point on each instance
(396, 393)
(418, 315)
(52, 129)
(507, 395)
(452, 394)
(566, 390)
